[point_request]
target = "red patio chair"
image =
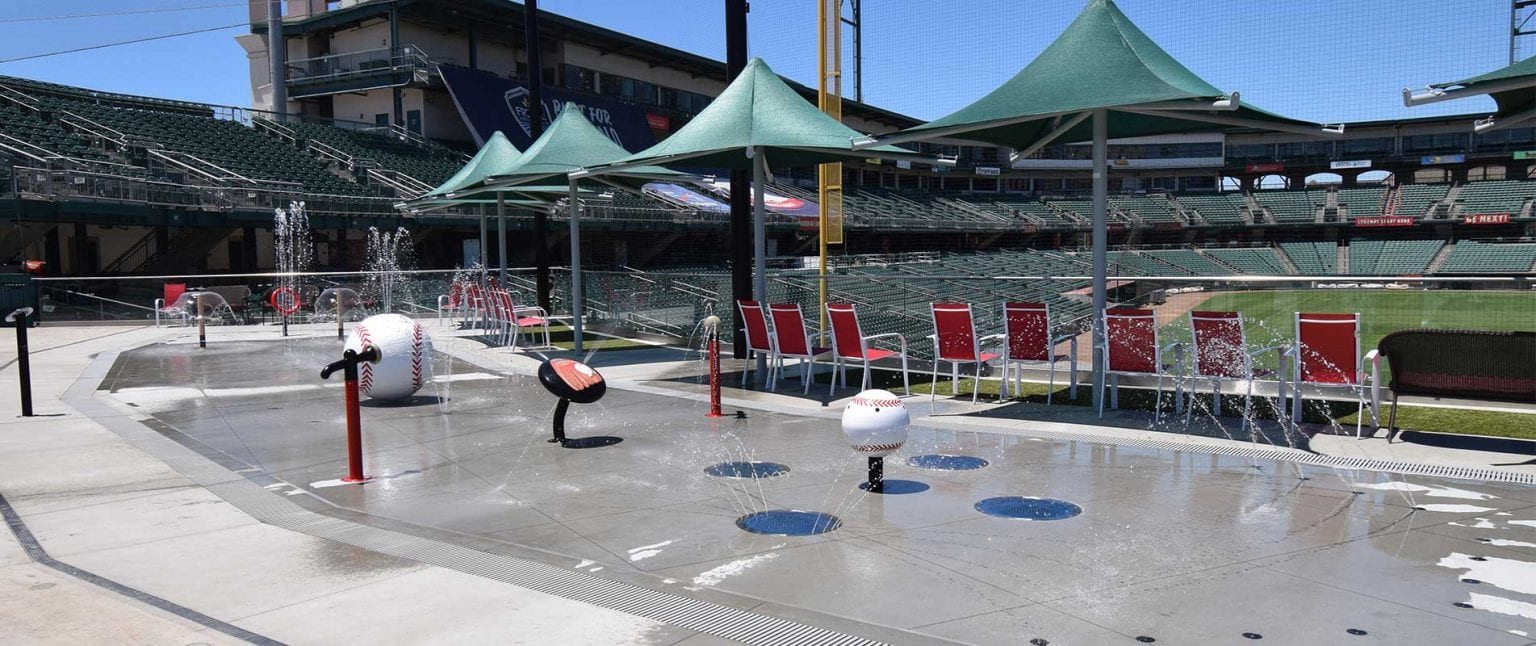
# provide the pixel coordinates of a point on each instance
(790, 340)
(1132, 348)
(1327, 354)
(955, 342)
(524, 316)
(1222, 354)
(850, 344)
(450, 302)
(163, 305)
(1027, 339)
(759, 340)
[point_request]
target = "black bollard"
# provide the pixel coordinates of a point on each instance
(877, 475)
(202, 324)
(23, 361)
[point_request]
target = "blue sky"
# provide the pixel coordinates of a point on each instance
(1324, 60)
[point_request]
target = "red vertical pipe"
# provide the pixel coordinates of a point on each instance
(354, 431)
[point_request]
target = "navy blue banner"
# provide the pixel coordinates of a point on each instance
(489, 103)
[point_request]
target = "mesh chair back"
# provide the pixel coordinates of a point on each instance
(956, 332)
(847, 338)
(1328, 347)
(1028, 326)
(1220, 348)
(1130, 337)
(789, 329)
(756, 323)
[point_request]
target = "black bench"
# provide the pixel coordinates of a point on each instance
(1460, 364)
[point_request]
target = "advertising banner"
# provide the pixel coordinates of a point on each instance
(1430, 160)
(1384, 221)
(488, 103)
(688, 196)
(780, 203)
(1485, 218)
(989, 171)
(1265, 168)
(1357, 163)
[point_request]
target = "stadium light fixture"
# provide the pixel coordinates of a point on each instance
(1452, 91)
(1489, 123)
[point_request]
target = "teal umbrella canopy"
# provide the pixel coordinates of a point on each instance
(757, 110)
(1101, 61)
(496, 155)
(571, 142)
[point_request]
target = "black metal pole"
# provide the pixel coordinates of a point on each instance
(560, 409)
(741, 184)
(23, 361)
(877, 475)
(542, 282)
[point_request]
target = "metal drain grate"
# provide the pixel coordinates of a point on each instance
(788, 522)
(746, 470)
(1026, 508)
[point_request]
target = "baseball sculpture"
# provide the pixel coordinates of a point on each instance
(875, 424)
(571, 381)
(405, 361)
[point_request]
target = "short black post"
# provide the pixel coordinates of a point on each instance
(23, 361)
(202, 324)
(560, 409)
(285, 325)
(877, 475)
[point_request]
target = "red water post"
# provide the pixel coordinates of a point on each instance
(348, 368)
(354, 431)
(714, 374)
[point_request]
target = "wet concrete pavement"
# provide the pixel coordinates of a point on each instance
(1181, 546)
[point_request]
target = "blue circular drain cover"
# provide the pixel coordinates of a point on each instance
(946, 462)
(746, 470)
(1028, 508)
(786, 522)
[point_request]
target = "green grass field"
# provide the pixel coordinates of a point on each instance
(1270, 314)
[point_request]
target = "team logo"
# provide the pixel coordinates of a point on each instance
(517, 104)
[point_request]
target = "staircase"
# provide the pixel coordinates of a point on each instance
(1442, 210)
(1393, 200)
(1285, 261)
(1440, 258)
(185, 252)
(1341, 266)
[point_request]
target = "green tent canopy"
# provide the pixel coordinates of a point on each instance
(1101, 78)
(757, 110)
(1513, 89)
(497, 154)
(1101, 61)
(570, 143)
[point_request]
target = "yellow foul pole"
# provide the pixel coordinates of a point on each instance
(829, 87)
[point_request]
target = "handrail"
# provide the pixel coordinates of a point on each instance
(333, 153)
(95, 128)
(11, 146)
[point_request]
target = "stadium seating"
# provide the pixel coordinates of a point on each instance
(1216, 208)
(1150, 209)
(31, 128)
(1191, 261)
(429, 165)
(1391, 257)
(1414, 200)
(1291, 206)
(1312, 258)
(1498, 196)
(1261, 262)
(1471, 256)
(1361, 202)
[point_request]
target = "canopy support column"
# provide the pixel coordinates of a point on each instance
(1100, 245)
(501, 237)
(483, 238)
(576, 313)
(759, 243)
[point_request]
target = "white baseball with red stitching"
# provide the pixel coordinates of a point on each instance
(405, 364)
(876, 423)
